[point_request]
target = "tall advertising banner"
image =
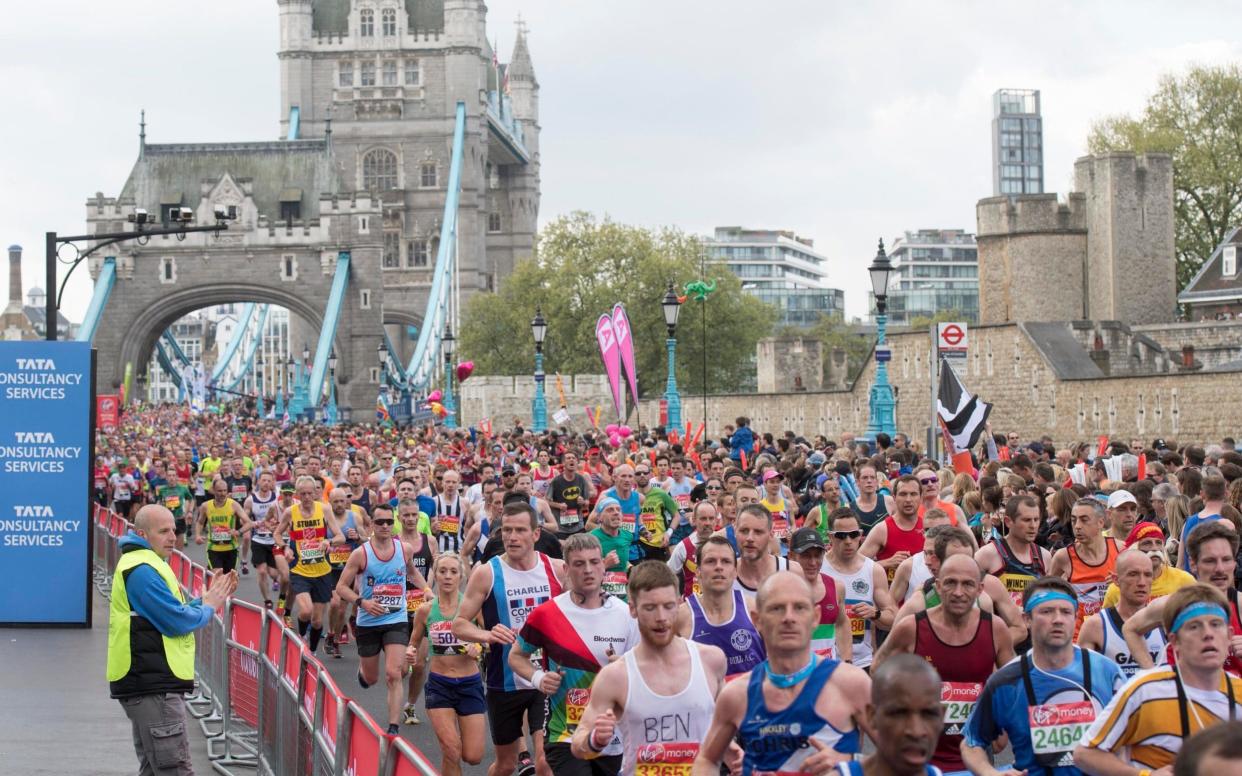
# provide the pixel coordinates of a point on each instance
(625, 343)
(108, 412)
(47, 432)
(606, 336)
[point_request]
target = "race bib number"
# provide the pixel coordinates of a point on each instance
(100, 484)
(683, 501)
(440, 634)
(575, 703)
(675, 759)
(1015, 584)
(389, 595)
(1057, 728)
(628, 522)
(172, 502)
(221, 534)
(414, 598)
(959, 700)
(310, 551)
(780, 527)
(338, 555)
(449, 524)
(239, 493)
(615, 582)
(569, 518)
(858, 625)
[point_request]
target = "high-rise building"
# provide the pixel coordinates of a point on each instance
(1017, 142)
(934, 271)
(780, 268)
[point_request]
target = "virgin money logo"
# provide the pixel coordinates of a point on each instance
(651, 753)
(579, 696)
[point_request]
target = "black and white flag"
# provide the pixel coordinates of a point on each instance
(963, 415)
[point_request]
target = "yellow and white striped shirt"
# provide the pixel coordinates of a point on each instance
(1142, 724)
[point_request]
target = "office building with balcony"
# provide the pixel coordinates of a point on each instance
(1017, 143)
(780, 268)
(934, 271)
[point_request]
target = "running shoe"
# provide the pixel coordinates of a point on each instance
(411, 718)
(330, 647)
(344, 637)
(526, 766)
(394, 730)
(245, 569)
(267, 604)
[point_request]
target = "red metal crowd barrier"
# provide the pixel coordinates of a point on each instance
(265, 703)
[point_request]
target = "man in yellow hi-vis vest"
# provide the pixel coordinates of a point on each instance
(151, 640)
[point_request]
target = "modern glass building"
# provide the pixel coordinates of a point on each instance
(1017, 143)
(780, 268)
(934, 271)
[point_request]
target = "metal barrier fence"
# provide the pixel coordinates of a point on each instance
(264, 702)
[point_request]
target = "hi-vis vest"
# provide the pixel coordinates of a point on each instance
(141, 660)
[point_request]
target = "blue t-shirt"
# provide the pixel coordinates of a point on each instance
(1192, 522)
(1002, 706)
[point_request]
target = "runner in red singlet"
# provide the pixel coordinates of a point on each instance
(901, 535)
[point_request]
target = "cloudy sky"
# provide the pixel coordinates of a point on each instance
(842, 121)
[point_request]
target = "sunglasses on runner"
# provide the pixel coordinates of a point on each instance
(843, 535)
(928, 481)
(383, 521)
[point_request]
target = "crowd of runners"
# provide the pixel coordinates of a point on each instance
(751, 603)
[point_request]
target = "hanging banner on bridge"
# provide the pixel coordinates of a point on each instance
(108, 412)
(47, 433)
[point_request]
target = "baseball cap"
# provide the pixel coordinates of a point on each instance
(1036, 448)
(1143, 530)
(805, 539)
(1119, 497)
(508, 470)
(772, 474)
(1159, 444)
(820, 480)
(816, 459)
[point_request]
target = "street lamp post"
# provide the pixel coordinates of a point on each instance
(330, 410)
(672, 307)
(539, 412)
(450, 345)
(881, 404)
(258, 405)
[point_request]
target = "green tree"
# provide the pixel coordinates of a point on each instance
(1198, 119)
(582, 267)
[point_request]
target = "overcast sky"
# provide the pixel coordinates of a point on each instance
(842, 121)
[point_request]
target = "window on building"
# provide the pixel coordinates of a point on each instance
(392, 249)
(390, 73)
(379, 170)
(419, 250)
(388, 21)
(345, 71)
(168, 269)
(368, 74)
(1229, 261)
(366, 23)
(493, 222)
(287, 268)
(427, 175)
(413, 73)
(493, 176)
(290, 211)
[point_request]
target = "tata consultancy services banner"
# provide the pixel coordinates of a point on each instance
(45, 468)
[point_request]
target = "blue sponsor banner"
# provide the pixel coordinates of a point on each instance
(46, 445)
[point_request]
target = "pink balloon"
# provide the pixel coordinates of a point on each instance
(435, 396)
(614, 440)
(464, 370)
(611, 429)
(624, 431)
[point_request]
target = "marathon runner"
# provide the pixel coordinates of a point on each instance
(914, 571)
(795, 712)
(832, 637)
(1149, 539)
(871, 506)
(964, 644)
(451, 512)
(1015, 558)
(1140, 729)
(579, 632)
(570, 495)
(757, 558)
(176, 498)
(422, 551)
(659, 697)
(1047, 698)
(899, 535)
(682, 559)
(233, 470)
(311, 531)
(356, 525)
(381, 567)
(264, 514)
(659, 515)
(867, 601)
(1089, 563)
(717, 614)
(907, 716)
(505, 590)
(225, 521)
(615, 542)
(455, 698)
(1102, 631)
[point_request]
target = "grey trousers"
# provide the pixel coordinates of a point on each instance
(159, 734)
